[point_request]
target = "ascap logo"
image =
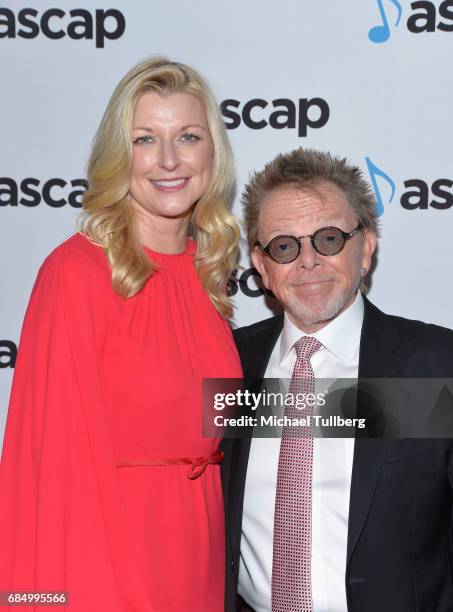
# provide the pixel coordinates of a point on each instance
(55, 192)
(376, 173)
(381, 33)
(421, 195)
(54, 23)
(255, 114)
(426, 17)
(417, 195)
(8, 354)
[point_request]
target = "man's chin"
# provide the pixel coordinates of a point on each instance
(308, 318)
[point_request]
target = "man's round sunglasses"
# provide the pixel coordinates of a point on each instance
(326, 241)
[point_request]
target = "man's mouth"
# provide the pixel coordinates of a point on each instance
(313, 281)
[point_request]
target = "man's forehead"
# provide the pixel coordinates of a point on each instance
(321, 199)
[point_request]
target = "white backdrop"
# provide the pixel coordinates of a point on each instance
(388, 92)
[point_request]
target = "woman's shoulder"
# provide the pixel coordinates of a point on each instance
(78, 257)
(78, 245)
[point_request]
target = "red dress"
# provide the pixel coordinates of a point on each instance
(102, 382)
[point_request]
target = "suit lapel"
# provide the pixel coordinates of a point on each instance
(261, 342)
(379, 341)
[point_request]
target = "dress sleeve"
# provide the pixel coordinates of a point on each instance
(63, 525)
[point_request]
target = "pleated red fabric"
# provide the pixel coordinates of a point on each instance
(101, 380)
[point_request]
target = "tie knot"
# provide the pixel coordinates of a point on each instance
(306, 346)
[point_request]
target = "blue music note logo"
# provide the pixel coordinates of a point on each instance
(374, 171)
(381, 33)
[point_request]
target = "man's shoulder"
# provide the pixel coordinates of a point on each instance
(417, 348)
(414, 331)
(248, 332)
(256, 341)
(427, 342)
(421, 330)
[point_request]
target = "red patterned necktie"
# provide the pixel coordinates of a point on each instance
(291, 564)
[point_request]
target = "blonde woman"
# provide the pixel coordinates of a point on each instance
(108, 490)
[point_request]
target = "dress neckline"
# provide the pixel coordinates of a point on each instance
(171, 258)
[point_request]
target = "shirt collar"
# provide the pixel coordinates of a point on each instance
(341, 336)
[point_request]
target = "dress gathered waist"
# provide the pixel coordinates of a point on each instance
(197, 465)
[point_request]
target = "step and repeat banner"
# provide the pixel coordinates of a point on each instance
(366, 79)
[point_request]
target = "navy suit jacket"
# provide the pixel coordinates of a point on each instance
(400, 515)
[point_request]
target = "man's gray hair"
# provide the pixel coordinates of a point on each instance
(303, 168)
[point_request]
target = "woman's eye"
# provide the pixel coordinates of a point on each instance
(143, 140)
(190, 138)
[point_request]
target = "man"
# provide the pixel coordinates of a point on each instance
(332, 525)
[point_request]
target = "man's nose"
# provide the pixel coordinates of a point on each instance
(308, 257)
(168, 156)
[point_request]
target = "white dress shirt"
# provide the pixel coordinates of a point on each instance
(332, 468)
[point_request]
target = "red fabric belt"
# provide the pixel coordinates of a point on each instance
(197, 465)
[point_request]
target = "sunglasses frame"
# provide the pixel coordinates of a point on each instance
(298, 239)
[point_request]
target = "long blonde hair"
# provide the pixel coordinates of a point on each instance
(107, 219)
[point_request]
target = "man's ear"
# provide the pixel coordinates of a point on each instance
(258, 262)
(369, 246)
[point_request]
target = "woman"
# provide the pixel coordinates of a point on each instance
(108, 489)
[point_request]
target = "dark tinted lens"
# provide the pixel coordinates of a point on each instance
(328, 241)
(284, 249)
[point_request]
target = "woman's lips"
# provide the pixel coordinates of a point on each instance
(170, 185)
